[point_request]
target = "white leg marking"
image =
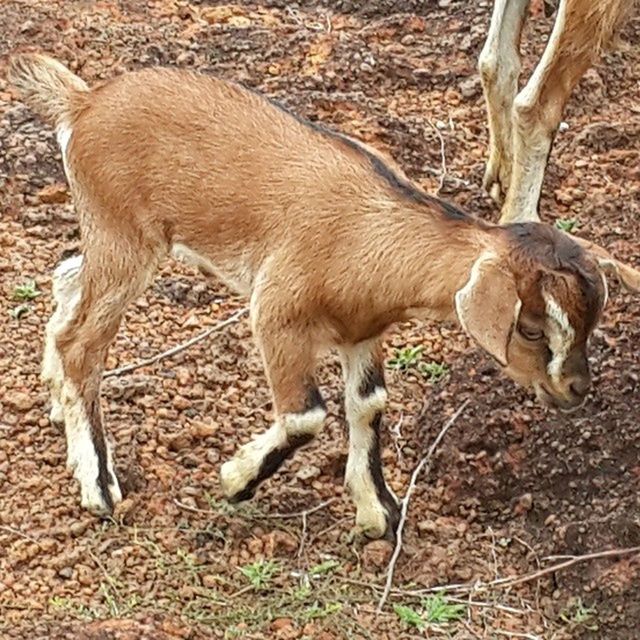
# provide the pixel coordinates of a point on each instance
(245, 466)
(63, 135)
(237, 473)
(499, 66)
(81, 453)
(66, 294)
(371, 515)
(534, 127)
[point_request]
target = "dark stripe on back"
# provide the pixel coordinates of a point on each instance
(397, 182)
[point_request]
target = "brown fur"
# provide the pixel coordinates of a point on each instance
(332, 244)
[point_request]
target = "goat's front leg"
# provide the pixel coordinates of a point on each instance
(573, 47)
(365, 398)
(499, 66)
(300, 411)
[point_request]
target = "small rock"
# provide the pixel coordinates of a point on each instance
(201, 430)
(523, 504)
(66, 573)
(22, 401)
(280, 625)
(210, 581)
(179, 442)
(280, 543)
(53, 194)
(124, 510)
(470, 87)
(308, 472)
(376, 555)
(78, 528)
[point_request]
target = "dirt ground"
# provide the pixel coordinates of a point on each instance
(511, 484)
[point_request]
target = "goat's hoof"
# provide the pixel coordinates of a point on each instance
(235, 481)
(374, 522)
(495, 182)
(99, 500)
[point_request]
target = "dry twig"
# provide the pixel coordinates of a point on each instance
(17, 532)
(514, 580)
(405, 503)
(181, 347)
(510, 582)
(299, 514)
(443, 159)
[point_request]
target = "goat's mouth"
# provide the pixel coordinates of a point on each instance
(555, 401)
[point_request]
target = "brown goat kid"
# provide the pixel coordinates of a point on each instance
(331, 244)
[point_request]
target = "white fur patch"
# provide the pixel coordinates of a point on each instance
(237, 473)
(63, 135)
(307, 423)
(561, 336)
(606, 290)
(66, 293)
(371, 514)
(81, 453)
(462, 294)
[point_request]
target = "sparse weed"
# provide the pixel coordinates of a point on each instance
(260, 573)
(411, 358)
(433, 371)
(75, 608)
(117, 605)
(328, 566)
(438, 610)
(568, 225)
(302, 592)
(317, 611)
(27, 291)
(577, 614)
(409, 616)
(435, 610)
(406, 358)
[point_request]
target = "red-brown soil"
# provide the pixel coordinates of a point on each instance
(511, 483)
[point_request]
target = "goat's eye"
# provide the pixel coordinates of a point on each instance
(530, 333)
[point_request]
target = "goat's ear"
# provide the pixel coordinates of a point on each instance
(488, 306)
(628, 276)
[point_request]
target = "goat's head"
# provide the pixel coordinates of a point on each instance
(534, 306)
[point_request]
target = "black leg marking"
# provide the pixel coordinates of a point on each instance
(372, 379)
(384, 495)
(271, 463)
(314, 400)
(100, 446)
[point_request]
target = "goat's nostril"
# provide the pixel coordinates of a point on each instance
(579, 388)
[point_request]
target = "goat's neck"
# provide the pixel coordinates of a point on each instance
(441, 254)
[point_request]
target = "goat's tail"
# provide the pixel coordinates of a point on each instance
(47, 86)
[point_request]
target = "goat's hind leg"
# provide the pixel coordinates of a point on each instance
(499, 66)
(377, 512)
(107, 284)
(300, 411)
(580, 32)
